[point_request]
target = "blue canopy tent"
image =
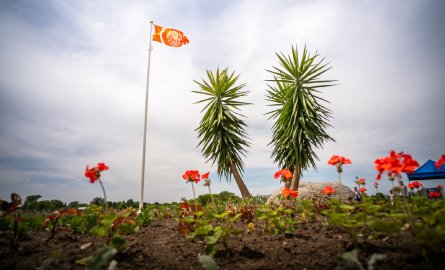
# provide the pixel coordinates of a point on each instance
(428, 172)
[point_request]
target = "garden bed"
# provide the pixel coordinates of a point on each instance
(312, 245)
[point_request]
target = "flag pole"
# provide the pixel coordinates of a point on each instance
(150, 48)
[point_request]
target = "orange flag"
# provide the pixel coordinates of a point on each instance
(170, 37)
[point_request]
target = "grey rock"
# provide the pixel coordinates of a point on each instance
(310, 190)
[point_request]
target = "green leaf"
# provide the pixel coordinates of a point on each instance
(203, 230)
(84, 261)
(207, 262)
(102, 257)
(375, 258)
(211, 239)
(118, 242)
(236, 217)
(349, 261)
(222, 215)
(99, 231)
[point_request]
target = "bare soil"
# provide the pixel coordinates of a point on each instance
(161, 246)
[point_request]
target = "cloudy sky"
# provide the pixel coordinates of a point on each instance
(73, 73)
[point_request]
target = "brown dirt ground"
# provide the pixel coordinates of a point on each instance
(161, 246)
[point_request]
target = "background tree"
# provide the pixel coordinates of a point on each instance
(31, 203)
(97, 201)
(73, 204)
(301, 119)
(221, 130)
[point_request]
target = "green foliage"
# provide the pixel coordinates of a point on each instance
(32, 204)
(421, 217)
(301, 119)
(32, 222)
(229, 216)
(102, 258)
(222, 131)
(114, 224)
(215, 234)
(226, 196)
(204, 199)
(144, 218)
(350, 261)
(5, 223)
(208, 262)
(277, 220)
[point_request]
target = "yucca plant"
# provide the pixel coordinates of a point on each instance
(221, 131)
(300, 118)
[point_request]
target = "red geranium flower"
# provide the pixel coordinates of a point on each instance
(286, 174)
(338, 161)
(434, 194)
(102, 167)
(414, 185)
(328, 190)
(289, 192)
(92, 173)
(362, 190)
(395, 164)
(205, 176)
(439, 162)
(376, 184)
(191, 176)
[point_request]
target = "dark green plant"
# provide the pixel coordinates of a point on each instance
(103, 257)
(143, 219)
(278, 220)
(222, 130)
(114, 224)
(349, 261)
(216, 234)
(300, 118)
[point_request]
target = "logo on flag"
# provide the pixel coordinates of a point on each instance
(170, 37)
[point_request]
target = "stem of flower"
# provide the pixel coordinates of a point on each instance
(339, 188)
(211, 196)
(194, 197)
(105, 195)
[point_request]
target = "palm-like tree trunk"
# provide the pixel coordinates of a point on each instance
(239, 181)
(296, 178)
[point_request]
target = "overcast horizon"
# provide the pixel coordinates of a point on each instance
(72, 90)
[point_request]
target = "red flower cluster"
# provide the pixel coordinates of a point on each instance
(328, 190)
(362, 190)
(286, 175)
(94, 173)
(414, 185)
(376, 184)
(287, 192)
(434, 194)
(395, 164)
(441, 161)
(192, 176)
(338, 161)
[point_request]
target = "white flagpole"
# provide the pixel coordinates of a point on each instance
(150, 48)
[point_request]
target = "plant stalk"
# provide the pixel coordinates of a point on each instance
(194, 197)
(340, 187)
(105, 195)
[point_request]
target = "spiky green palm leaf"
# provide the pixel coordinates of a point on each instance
(222, 130)
(301, 118)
